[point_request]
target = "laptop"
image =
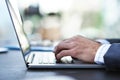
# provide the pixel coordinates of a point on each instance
(39, 59)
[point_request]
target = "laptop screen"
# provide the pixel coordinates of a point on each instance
(17, 23)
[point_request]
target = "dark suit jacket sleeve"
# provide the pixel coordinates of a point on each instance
(112, 57)
(113, 40)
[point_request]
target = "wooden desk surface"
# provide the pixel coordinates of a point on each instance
(12, 67)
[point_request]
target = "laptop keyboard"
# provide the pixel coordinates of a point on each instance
(46, 58)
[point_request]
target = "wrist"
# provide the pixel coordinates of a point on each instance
(97, 46)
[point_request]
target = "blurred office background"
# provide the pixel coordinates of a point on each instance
(54, 20)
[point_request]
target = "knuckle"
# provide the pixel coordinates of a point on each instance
(64, 52)
(77, 36)
(72, 44)
(74, 52)
(60, 45)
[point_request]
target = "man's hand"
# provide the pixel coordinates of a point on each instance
(78, 47)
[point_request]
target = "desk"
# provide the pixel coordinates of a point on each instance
(12, 67)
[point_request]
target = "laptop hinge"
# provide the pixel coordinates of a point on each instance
(30, 58)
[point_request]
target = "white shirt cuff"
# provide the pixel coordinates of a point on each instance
(100, 53)
(103, 41)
